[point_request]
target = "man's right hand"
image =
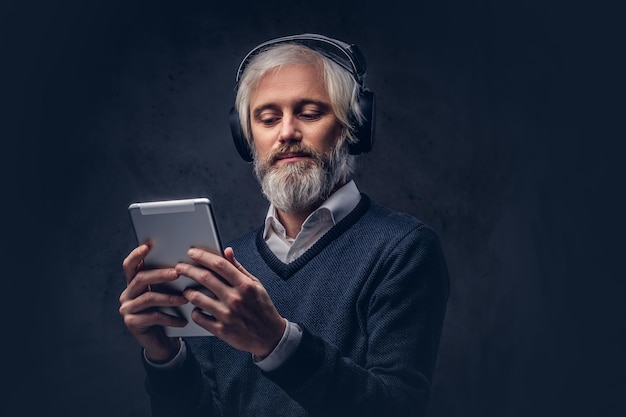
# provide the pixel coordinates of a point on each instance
(139, 307)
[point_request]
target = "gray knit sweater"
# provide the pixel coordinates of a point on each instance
(370, 296)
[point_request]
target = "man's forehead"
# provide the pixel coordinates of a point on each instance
(303, 82)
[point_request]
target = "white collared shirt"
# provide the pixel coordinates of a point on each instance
(320, 221)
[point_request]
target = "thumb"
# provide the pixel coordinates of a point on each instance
(229, 254)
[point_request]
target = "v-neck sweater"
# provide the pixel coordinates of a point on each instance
(370, 296)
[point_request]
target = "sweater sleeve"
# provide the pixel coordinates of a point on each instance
(406, 301)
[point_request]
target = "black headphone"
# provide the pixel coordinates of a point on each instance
(347, 56)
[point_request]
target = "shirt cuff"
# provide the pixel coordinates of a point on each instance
(174, 363)
(287, 345)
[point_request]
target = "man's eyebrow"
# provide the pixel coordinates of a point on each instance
(324, 106)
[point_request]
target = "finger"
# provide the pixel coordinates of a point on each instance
(144, 279)
(207, 321)
(229, 254)
(204, 277)
(219, 265)
(144, 321)
(149, 300)
(206, 303)
(133, 261)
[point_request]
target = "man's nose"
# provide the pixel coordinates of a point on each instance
(289, 129)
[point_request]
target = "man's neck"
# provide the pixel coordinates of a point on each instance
(292, 222)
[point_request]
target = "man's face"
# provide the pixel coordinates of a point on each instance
(291, 107)
(295, 131)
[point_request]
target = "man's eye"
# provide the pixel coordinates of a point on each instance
(268, 121)
(310, 116)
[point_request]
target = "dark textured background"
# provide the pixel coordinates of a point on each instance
(498, 125)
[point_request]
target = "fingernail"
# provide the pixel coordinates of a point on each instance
(192, 252)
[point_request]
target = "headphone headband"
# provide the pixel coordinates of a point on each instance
(347, 55)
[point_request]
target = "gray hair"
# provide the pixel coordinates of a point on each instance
(342, 88)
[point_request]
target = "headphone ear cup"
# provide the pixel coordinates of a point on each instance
(240, 141)
(365, 131)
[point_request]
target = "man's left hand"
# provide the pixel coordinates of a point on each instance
(241, 312)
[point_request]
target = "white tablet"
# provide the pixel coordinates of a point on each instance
(170, 228)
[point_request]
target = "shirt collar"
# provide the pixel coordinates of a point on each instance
(338, 205)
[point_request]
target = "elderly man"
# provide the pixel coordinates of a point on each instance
(334, 306)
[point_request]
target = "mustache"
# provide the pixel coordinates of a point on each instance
(297, 149)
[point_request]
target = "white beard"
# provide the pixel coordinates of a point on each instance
(298, 186)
